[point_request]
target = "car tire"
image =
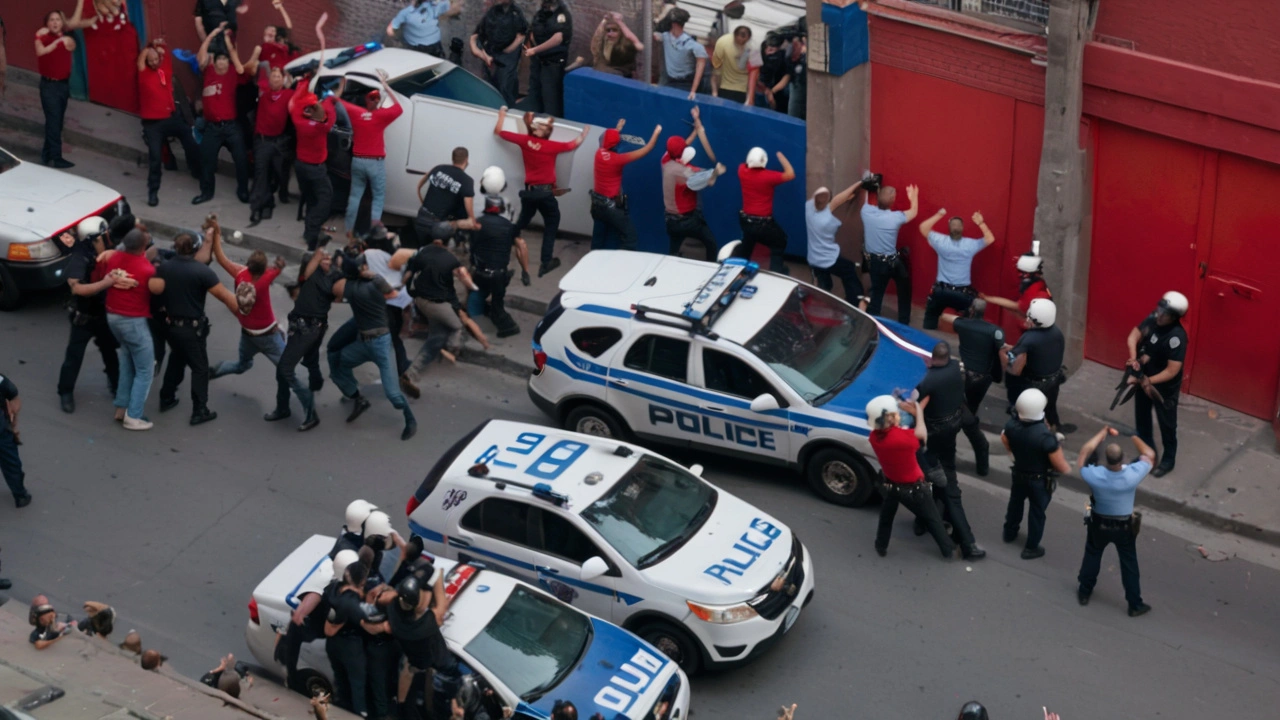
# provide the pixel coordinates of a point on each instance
(311, 683)
(592, 419)
(673, 642)
(840, 477)
(10, 298)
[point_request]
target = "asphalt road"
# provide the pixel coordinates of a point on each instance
(175, 527)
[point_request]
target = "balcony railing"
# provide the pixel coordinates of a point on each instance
(1029, 11)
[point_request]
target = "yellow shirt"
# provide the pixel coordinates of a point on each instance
(726, 59)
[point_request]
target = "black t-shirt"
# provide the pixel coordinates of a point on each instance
(80, 267)
(315, 295)
(1031, 443)
(500, 26)
(944, 386)
(1163, 345)
(491, 245)
(214, 12)
(186, 284)
(8, 391)
(549, 22)
(49, 633)
(346, 541)
(1044, 348)
(774, 67)
(448, 186)
(980, 343)
(419, 638)
(345, 609)
(432, 269)
(367, 298)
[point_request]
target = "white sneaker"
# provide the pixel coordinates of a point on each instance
(136, 424)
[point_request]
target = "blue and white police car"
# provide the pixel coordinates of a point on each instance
(514, 639)
(620, 533)
(725, 358)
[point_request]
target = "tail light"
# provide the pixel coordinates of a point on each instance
(539, 360)
(253, 611)
(412, 505)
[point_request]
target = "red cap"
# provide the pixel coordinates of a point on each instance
(611, 137)
(675, 147)
(373, 95)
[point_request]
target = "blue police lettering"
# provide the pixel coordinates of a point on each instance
(687, 422)
(751, 546)
(713, 428)
(630, 682)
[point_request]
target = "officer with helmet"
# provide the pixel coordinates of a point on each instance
(756, 217)
(307, 621)
(896, 449)
(379, 537)
(87, 310)
(352, 535)
(1037, 454)
(1036, 361)
(1157, 349)
(1031, 285)
(491, 247)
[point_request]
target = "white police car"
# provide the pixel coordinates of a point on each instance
(526, 646)
(726, 358)
(620, 533)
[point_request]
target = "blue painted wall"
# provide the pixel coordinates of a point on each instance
(598, 99)
(848, 39)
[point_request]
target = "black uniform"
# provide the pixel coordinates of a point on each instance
(312, 628)
(10, 463)
(498, 29)
(308, 323)
(1044, 348)
(1160, 346)
(213, 13)
(448, 187)
(490, 269)
(187, 282)
(943, 418)
(1031, 442)
(88, 317)
(546, 69)
(776, 67)
(980, 343)
(346, 649)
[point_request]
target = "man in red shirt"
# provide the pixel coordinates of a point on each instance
(222, 73)
(681, 183)
(269, 141)
(369, 150)
(128, 308)
(1031, 285)
(896, 449)
(53, 61)
(539, 152)
(608, 204)
(312, 121)
(756, 217)
(277, 51)
(160, 117)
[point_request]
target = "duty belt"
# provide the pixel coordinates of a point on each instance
(1042, 382)
(186, 322)
(887, 258)
(966, 289)
(618, 201)
(543, 186)
(975, 376)
(756, 219)
(1050, 479)
(488, 272)
(947, 422)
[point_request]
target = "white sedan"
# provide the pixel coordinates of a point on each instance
(36, 205)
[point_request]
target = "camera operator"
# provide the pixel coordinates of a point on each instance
(884, 261)
(952, 288)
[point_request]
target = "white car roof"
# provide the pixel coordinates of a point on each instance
(398, 62)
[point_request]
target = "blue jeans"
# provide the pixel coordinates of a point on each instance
(271, 345)
(377, 351)
(373, 172)
(137, 362)
(11, 464)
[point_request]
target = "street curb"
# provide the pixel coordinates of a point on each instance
(291, 253)
(493, 361)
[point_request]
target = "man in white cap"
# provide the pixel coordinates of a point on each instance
(681, 183)
(1037, 454)
(756, 216)
(824, 253)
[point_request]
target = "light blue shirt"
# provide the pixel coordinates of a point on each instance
(821, 226)
(880, 229)
(681, 54)
(955, 257)
(421, 23)
(1113, 490)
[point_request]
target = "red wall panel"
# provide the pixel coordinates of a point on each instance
(1028, 135)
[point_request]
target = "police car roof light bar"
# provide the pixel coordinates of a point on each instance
(720, 290)
(642, 314)
(542, 491)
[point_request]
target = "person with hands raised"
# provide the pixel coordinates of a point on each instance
(824, 252)
(681, 183)
(221, 73)
(54, 45)
(608, 203)
(952, 288)
(160, 117)
(885, 262)
(756, 217)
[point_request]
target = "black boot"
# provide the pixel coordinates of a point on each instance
(255, 217)
(68, 402)
(360, 405)
(153, 198)
(310, 421)
(268, 211)
(410, 424)
(277, 414)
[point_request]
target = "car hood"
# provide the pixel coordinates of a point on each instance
(738, 552)
(40, 201)
(898, 362)
(619, 675)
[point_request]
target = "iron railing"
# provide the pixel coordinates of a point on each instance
(1030, 11)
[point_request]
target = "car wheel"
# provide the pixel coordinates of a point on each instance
(590, 419)
(674, 643)
(840, 477)
(9, 296)
(312, 683)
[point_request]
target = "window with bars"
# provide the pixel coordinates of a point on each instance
(1031, 11)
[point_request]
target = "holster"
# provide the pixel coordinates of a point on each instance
(537, 193)
(947, 424)
(302, 324)
(1135, 525)
(599, 200)
(1044, 384)
(78, 318)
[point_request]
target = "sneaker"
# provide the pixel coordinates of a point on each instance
(1139, 610)
(131, 423)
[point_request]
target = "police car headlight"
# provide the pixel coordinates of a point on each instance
(722, 614)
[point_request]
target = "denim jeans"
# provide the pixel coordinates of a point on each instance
(373, 172)
(11, 464)
(137, 362)
(271, 345)
(377, 351)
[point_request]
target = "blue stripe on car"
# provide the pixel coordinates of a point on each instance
(291, 598)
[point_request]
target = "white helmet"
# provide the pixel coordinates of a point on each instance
(378, 525)
(1030, 405)
(756, 158)
(726, 252)
(1042, 312)
(1174, 303)
(343, 559)
(1030, 263)
(91, 227)
(493, 180)
(878, 408)
(357, 512)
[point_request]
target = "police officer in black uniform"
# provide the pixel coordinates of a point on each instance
(87, 309)
(414, 613)
(496, 42)
(1036, 361)
(980, 343)
(946, 412)
(549, 38)
(448, 199)
(491, 248)
(1037, 455)
(1157, 348)
(345, 629)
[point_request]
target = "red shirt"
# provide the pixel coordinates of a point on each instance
(273, 109)
(608, 168)
(313, 137)
(1038, 289)
(219, 96)
(367, 128)
(896, 448)
(757, 189)
(539, 156)
(261, 316)
(276, 54)
(134, 302)
(155, 90)
(57, 64)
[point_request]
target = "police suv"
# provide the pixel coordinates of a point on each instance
(516, 640)
(726, 358)
(620, 533)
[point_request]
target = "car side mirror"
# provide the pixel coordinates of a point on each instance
(696, 469)
(594, 567)
(764, 403)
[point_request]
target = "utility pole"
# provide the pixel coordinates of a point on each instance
(647, 56)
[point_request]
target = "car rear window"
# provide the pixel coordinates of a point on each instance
(437, 471)
(595, 340)
(554, 311)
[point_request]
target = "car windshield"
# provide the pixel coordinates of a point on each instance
(816, 344)
(651, 511)
(449, 84)
(7, 161)
(532, 643)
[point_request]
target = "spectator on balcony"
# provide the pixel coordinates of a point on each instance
(798, 57)
(614, 47)
(683, 56)
(775, 75)
(496, 42)
(735, 67)
(419, 24)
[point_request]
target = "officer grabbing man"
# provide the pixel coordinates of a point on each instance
(87, 309)
(1036, 361)
(491, 248)
(1031, 285)
(496, 42)
(1157, 348)
(980, 346)
(952, 289)
(352, 535)
(1037, 455)
(550, 35)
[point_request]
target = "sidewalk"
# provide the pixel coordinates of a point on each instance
(102, 681)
